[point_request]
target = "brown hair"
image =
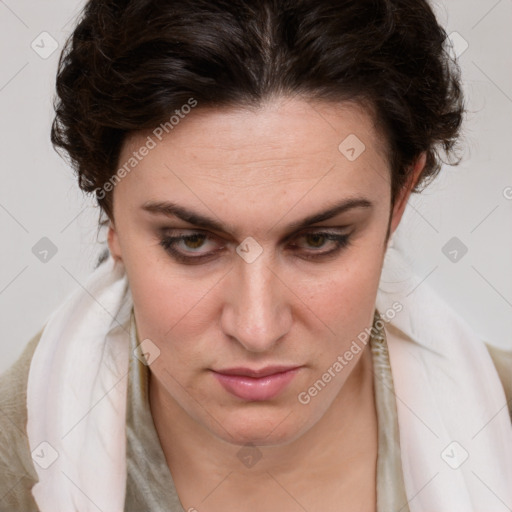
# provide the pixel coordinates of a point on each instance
(129, 64)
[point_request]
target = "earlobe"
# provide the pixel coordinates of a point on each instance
(113, 243)
(405, 193)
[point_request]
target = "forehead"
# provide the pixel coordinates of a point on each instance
(285, 146)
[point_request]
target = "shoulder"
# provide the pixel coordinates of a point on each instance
(17, 473)
(503, 362)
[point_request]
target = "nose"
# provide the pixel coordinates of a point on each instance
(256, 313)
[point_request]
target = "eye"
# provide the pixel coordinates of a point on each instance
(190, 243)
(318, 239)
(187, 248)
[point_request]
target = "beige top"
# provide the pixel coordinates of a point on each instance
(149, 486)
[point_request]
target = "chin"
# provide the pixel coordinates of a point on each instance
(260, 426)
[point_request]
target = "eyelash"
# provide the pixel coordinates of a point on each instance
(168, 243)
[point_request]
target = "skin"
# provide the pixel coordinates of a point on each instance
(255, 171)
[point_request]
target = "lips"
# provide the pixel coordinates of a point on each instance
(256, 384)
(263, 372)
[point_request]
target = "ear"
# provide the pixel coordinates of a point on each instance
(404, 194)
(113, 242)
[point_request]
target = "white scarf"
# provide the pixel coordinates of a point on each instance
(446, 386)
(454, 423)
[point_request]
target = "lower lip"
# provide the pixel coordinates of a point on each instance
(256, 389)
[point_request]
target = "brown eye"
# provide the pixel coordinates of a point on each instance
(187, 249)
(318, 239)
(190, 245)
(195, 241)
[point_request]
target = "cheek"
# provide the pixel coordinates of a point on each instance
(344, 296)
(167, 304)
(168, 313)
(168, 299)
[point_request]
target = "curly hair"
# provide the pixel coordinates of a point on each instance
(130, 63)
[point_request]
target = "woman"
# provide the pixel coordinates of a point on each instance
(238, 347)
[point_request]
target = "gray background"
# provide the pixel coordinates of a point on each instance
(39, 196)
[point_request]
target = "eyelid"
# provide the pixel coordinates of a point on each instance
(341, 240)
(318, 229)
(176, 232)
(187, 232)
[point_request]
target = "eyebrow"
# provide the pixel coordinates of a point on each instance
(171, 209)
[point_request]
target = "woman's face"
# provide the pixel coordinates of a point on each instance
(259, 288)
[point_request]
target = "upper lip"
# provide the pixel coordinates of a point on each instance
(262, 372)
